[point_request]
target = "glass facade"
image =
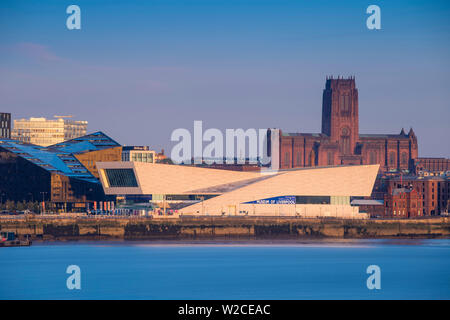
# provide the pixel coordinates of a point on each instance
(334, 200)
(313, 199)
(5, 125)
(190, 197)
(121, 178)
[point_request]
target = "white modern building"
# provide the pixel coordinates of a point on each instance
(138, 154)
(311, 192)
(45, 132)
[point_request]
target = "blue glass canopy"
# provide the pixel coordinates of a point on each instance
(59, 158)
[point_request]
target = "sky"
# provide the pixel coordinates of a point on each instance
(138, 70)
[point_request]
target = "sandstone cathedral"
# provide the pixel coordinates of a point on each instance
(340, 142)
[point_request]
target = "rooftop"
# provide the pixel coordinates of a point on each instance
(60, 158)
(367, 202)
(401, 190)
(409, 178)
(91, 142)
(384, 136)
(297, 134)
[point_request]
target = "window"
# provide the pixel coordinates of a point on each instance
(121, 178)
(404, 158)
(372, 157)
(345, 104)
(345, 141)
(299, 158)
(392, 159)
(312, 158)
(330, 160)
(312, 199)
(286, 159)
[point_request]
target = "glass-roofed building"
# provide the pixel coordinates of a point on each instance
(63, 175)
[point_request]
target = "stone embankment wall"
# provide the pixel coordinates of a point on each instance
(222, 228)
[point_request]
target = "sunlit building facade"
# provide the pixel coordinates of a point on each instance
(312, 192)
(138, 153)
(45, 132)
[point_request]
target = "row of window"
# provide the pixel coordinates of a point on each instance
(310, 161)
(5, 133)
(402, 213)
(138, 157)
(5, 116)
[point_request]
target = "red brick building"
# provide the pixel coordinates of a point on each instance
(340, 141)
(431, 166)
(403, 203)
(433, 192)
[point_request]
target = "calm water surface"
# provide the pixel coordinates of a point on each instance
(410, 269)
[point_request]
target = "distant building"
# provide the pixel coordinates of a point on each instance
(340, 141)
(432, 192)
(138, 154)
(373, 207)
(45, 132)
(431, 166)
(160, 157)
(5, 125)
(60, 175)
(403, 203)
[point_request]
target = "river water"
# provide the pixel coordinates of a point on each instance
(410, 269)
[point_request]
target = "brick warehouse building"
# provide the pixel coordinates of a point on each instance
(433, 192)
(431, 166)
(403, 203)
(340, 141)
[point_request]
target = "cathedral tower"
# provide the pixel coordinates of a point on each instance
(340, 113)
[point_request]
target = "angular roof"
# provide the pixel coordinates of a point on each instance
(227, 187)
(60, 158)
(158, 178)
(91, 142)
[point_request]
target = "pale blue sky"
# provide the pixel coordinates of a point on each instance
(137, 70)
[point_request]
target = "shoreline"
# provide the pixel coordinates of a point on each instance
(226, 229)
(336, 243)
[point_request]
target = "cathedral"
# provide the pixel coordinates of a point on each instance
(340, 142)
